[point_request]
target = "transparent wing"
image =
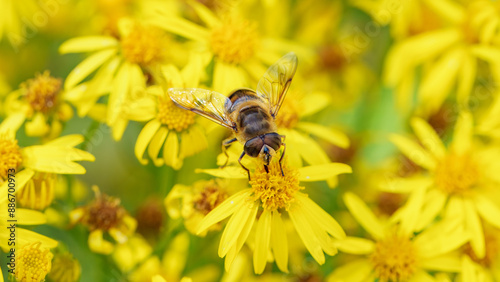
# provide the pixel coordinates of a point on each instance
(209, 104)
(276, 81)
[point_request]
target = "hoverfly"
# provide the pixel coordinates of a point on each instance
(250, 114)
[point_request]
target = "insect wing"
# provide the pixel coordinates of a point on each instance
(276, 81)
(209, 104)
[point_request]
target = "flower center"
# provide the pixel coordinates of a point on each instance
(150, 217)
(172, 116)
(492, 247)
(38, 192)
(65, 268)
(234, 41)
(289, 114)
(41, 92)
(457, 174)
(10, 156)
(273, 189)
(33, 263)
(394, 258)
(104, 213)
(143, 45)
(210, 196)
(332, 57)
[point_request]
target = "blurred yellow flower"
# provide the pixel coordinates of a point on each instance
(193, 203)
(39, 191)
(450, 55)
(238, 50)
(33, 262)
(16, 25)
(175, 130)
(42, 103)
(275, 194)
(104, 214)
(488, 267)
(396, 254)
(65, 268)
(459, 178)
(121, 67)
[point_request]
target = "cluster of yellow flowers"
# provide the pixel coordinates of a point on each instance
(392, 141)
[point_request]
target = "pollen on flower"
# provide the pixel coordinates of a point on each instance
(143, 45)
(38, 192)
(289, 114)
(457, 174)
(172, 116)
(33, 262)
(394, 258)
(104, 212)
(10, 156)
(274, 190)
(234, 41)
(42, 92)
(209, 196)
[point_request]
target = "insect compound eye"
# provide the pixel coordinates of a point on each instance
(273, 140)
(253, 146)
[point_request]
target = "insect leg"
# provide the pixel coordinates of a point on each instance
(239, 160)
(225, 144)
(281, 158)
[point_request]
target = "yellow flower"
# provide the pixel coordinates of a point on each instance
(65, 268)
(232, 41)
(450, 54)
(121, 67)
(33, 262)
(104, 214)
(175, 130)
(12, 25)
(396, 254)
(41, 102)
(38, 192)
(172, 264)
(131, 253)
(275, 194)
(194, 203)
(488, 267)
(458, 181)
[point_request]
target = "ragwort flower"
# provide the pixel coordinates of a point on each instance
(104, 214)
(458, 181)
(41, 102)
(274, 195)
(396, 254)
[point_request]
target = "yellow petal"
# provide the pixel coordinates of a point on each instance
(446, 263)
(466, 78)
(229, 172)
(97, 244)
(87, 66)
(323, 171)
(11, 124)
(27, 236)
(47, 158)
(144, 139)
(434, 204)
(474, 226)
(462, 136)
(490, 54)
(313, 103)
(306, 233)
(356, 246)
(448, 10)
(207, 16)
(228, 77)
(21, 178)
(171, 151)
(156, 144)
(468, 272)
(236, 225)
(262, 241)
(30, 217)
(279, 242)
(488, 210)
(404, 185)
(428, 137)
(182, 27)
(412, 211)
(119, 92)
(364, 215)
(328, 134)
(37, 126)
(143, 109)
(225, 209)
(413, 151)
(355, 271)
(310, 151)
(87, 44)
(320, 216)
